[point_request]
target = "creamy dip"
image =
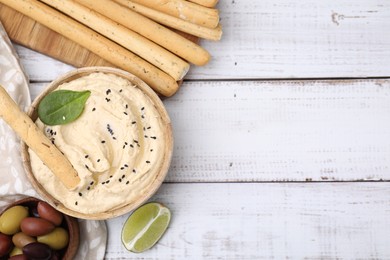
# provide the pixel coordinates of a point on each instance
(116, 146)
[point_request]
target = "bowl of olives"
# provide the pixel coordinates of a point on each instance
(32, 229)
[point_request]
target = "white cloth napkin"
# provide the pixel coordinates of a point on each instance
(13, 181)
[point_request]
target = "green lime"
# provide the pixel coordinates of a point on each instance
(145, 226)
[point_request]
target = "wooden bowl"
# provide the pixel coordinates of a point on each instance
(69, 223)
(157, 181)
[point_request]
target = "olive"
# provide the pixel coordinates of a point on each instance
(16, 251)
(36, 226)
(18, 257)
(49, 213)
(5, 244)
(20, 239)
(57, 239)
(37, 250)
(11, 218)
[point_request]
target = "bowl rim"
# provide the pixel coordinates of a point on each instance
(71, 223)
(156, 182)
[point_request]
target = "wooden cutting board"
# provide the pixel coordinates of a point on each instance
(31, 34)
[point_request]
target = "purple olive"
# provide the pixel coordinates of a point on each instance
(5, 244)
(37, 251)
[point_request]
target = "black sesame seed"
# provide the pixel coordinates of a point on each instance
(147, 161)
(93, 109)
(123, 176)
(142, 108)
(86, 166)
(132, 146)
(120, 180)
(149, 127)
(108, 100)
(126, 143)
(135, 141)
(134, 170)
(80, 194)
(143, 116)
(151, 150)
(107, 181)
(124, 146)
(133, 123)
(103, 142)
(52, 141)
(98, 160)
(91, 183)
(127, 182)
(145, 136)
(122, 168)
(114, 137)
(120, 90)
(103, 183)
(88, 188)
(86, 156)
(110, 176)
(108, 91)
(153, 137)
(126, 165)
(125, 113)
(76, 203)
(127, 106)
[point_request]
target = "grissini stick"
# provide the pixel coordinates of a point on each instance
(207, 3)
(146, 49)
(37, 141)
(193, 13)
(161, 82)
(148, 28)
(173, 22)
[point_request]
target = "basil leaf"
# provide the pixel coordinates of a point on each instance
(62, 106)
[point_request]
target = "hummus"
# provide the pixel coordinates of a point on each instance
(116, 146)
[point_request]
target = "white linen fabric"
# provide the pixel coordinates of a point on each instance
(14, 184)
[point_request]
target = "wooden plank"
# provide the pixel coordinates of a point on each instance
(284, 39)
(269, 221)
(280, 131)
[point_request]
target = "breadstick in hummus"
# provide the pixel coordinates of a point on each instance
(37, 141)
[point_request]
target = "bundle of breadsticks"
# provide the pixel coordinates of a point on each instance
(139, 36)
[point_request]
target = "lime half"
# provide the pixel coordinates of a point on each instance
(145, 226)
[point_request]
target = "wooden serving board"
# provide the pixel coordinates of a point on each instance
(31, 34)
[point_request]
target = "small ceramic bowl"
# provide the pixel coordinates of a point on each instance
(69, 223)
(157, 180)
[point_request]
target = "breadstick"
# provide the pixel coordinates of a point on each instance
(148, 28)
(108, 50)
(146, 49)
(173, 22)
(207, 3)
(193, 13)
(37, 141)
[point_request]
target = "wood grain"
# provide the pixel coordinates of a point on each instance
(284, 39)
(269, 221)
(243, 131)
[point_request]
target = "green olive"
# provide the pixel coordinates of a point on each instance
(16, 251)
(20, 239)
(11, 218)
(57, 239)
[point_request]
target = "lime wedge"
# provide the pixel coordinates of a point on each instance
(145, 226)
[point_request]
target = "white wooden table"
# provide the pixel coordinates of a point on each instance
(282, 142)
